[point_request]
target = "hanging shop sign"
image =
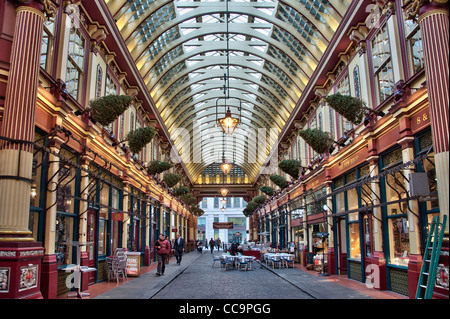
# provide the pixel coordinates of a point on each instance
(118, 217)
(223, 225)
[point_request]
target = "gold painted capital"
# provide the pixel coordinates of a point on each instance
(412, 11)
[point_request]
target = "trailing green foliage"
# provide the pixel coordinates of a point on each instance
(291, 167)
(171, 179)
(252, 206)
(280, 181)
(157, 167)
(352, 108)
(260, 199)
(188, 199)
(319, 141)
(181, 190)
(269, 191)
(107, 109)
(137, 139)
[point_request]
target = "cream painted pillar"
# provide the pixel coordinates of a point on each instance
(126, 198)
(84, 182)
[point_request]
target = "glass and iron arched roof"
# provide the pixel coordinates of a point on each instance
(264, 51)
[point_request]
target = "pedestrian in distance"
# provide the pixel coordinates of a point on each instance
(162, 247)
(218, 243)
(178, 248)
(170, 250)
(211, 245)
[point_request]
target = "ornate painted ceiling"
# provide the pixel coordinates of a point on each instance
(196, 61)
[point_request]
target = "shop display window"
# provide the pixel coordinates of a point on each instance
(355, 246)
(399, 243)
(63, 233)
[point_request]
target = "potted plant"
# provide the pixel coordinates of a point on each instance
(137, 139)
(157, 167)
(181, 190)
(319, 141)
(269, 191)
(171, 179)
(352, 108)
(280, 181)
(252, 206)
(107, 109)
(260, 199)
(291, 167)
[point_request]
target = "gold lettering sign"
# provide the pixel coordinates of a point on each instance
(346, 164)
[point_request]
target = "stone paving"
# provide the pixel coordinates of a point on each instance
(195, 278)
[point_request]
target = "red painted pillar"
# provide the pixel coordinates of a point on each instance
(20, 255)
(433, 19)
(434, 27)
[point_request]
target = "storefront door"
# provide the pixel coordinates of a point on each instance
(92, 237)
(342, 251)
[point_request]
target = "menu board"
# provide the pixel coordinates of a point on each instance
(133, 264)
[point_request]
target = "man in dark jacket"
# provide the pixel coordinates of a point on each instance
(178, 248)
(162, 247)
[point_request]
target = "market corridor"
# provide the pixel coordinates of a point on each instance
(197, 278)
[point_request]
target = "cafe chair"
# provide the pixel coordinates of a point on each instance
(289, 261)
(276, 261)
(243, 264)
(226, 264)
(215, 258)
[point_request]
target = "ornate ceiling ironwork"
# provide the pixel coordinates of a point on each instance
(180, 50)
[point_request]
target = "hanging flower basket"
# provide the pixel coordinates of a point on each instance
(319, 141)
(291, 167)
(269, 191)
(352, 108)
(181, 190)
(107, 109)
(188, 199)
(252, 206)
(171, 179)
(260, 199)
(157, 167)
(246, 212)
(280, 181)
(137, 139)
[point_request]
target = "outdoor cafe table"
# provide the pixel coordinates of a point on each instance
(78, 269)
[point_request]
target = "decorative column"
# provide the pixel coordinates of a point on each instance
(20, 255)
(432, 17)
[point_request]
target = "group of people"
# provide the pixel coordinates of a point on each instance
(235, 248)
(214, 243)
(163, 248)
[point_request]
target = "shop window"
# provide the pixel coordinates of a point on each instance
(64, 233)
(382, 65)
(398, 228)
(368, 238)
(115, 200)
(66, 184)
(414, 46)
(48, 39)
(75, 63)
(399, 243)
(355, 246)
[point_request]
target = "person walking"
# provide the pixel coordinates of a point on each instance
(162, 247)
(178, 247)
(170, 250)
(218, 242)
(211, 245)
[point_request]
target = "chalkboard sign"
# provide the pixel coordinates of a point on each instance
(310, 258)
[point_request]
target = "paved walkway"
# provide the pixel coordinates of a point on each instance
(148, 284)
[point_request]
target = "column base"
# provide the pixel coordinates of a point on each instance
(147, 256)
(20, 270)
(414, 268)
(376, 271)
(49, 277)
